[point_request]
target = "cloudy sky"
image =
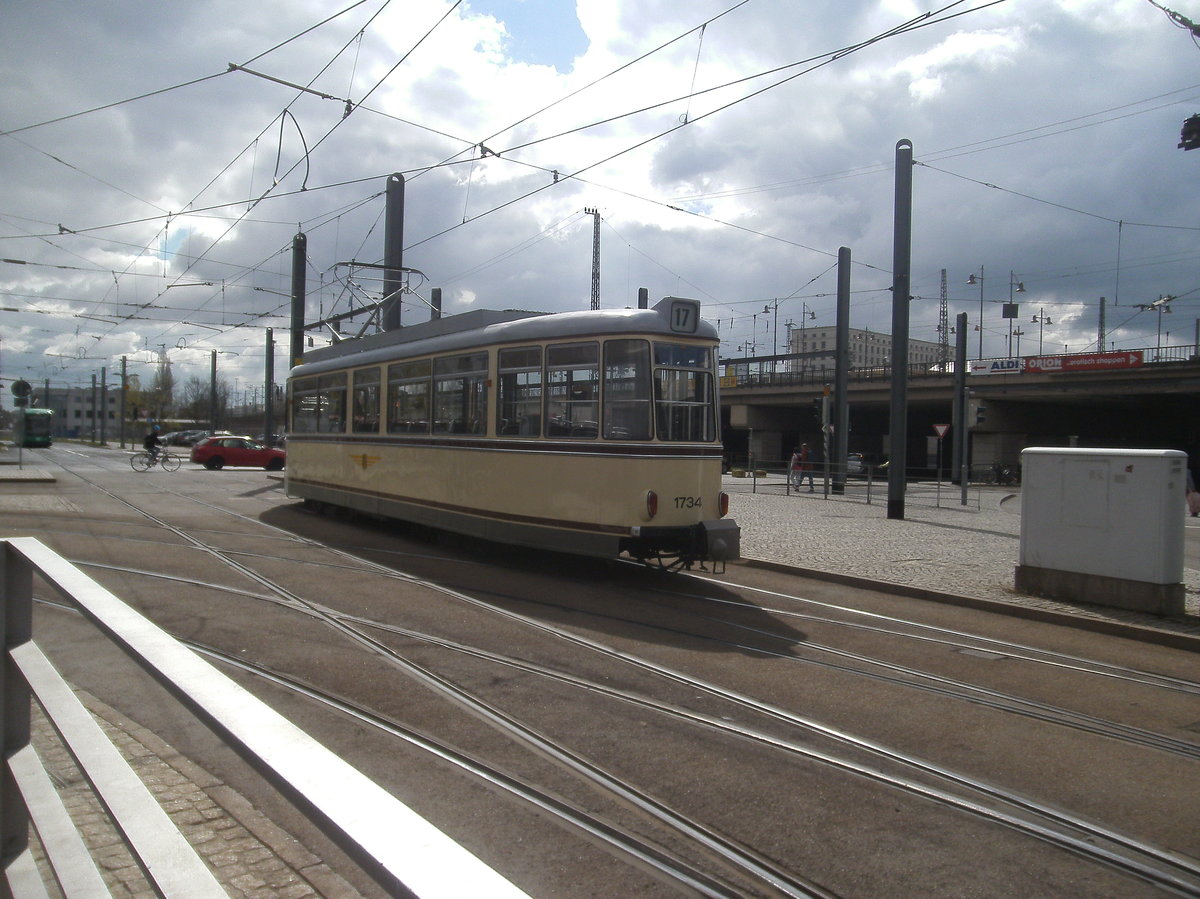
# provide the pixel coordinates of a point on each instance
(149, 193)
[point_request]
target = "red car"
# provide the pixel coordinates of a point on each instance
(217, 452)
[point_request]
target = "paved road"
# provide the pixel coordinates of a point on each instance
(948, 550)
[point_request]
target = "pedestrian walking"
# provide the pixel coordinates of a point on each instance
(1193, 498)
(802, 467)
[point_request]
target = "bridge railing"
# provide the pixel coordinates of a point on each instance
(868, 484)
(401, 851)
(759, 373)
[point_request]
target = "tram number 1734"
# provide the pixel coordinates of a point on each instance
(555, 431)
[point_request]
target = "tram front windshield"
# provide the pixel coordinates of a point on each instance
(683, 393)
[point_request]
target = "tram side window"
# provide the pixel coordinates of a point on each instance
(305, 402)
(683, 393)
(460, 394)
(366, 401)
(573, 390)
(331, 414)
(408, 397)
(627, 390)
(520, 392)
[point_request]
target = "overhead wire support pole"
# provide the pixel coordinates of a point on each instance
(841, 376)
(944, 326)
(595, 214)
(299, 274)
(393, 252)
(961, 425)
(901, 264)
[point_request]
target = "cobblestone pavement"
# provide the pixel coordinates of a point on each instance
(250, 856)
(940, 545)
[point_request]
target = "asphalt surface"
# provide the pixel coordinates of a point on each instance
(940, 550)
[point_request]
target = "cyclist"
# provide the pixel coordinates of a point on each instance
(152, 443)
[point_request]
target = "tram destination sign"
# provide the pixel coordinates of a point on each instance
(1084, 362)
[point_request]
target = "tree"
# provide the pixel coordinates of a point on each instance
(194, 400)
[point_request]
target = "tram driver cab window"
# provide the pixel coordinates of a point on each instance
(305, 403)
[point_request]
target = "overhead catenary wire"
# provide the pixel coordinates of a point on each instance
(585, 180)
(308, 152)
(813, 62)
(979, 146)
(255, 202)
(1063, 206)
(251, 205)
(911, 24)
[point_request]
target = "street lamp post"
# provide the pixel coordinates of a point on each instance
(775, 343)
(1041, 320)
(978, 279)
(1161, 305)
(1010, 311)
(805, 315)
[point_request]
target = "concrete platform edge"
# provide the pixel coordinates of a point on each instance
(1170, 639)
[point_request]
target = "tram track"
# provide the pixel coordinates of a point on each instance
(1032, 819)
(891, 672)
(902, 627)
(774, 879)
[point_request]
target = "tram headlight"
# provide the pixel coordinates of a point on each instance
(651, 503)
(723, 504)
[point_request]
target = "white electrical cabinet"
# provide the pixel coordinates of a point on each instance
(1104, 526)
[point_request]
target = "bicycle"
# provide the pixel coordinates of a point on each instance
(997, 473)
(143, 461)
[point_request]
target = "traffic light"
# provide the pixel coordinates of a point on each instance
(1189, 135)
(976, 414)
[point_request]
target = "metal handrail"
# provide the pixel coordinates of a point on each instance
(400, 850)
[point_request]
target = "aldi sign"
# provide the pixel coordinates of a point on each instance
(996, 367)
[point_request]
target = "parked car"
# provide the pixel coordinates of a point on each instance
(221, 450)
(181, 438)
(855, 464)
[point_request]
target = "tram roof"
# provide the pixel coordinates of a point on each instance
(484, 327)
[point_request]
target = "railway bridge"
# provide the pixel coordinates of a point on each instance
(1149, 399)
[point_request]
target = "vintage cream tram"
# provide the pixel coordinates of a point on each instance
(585, 432)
